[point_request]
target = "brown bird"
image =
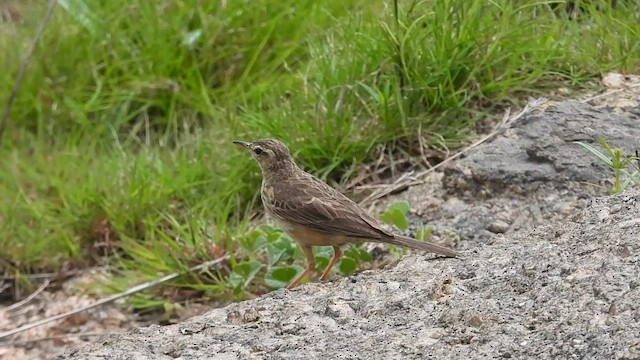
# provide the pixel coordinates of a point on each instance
(315, 214)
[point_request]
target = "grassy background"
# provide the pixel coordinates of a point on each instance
(119, 151)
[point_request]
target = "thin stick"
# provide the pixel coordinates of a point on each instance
(609, 93)
(25, 64)
(52, 275)
(112, 298)
(504, 124)
(29, 298)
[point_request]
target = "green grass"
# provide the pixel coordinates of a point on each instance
(119, 147)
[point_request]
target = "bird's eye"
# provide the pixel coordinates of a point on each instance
(258, 151)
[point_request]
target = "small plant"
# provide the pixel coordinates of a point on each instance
(423, 233)
(625, 168)
(272, 256)
(396, 215)
(263, 259)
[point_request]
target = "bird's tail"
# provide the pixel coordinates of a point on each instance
(421, 245)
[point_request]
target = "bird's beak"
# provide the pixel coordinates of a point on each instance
(244, 144)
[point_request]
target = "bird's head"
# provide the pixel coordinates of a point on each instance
(271, 154)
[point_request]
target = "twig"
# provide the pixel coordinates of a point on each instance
(370, 171)
(51, 275)
(112, 298)
(3, 286)
(422, 146)
(408, 176)
(27, 60)
(504, 124)
(609, 93)
(29, 298)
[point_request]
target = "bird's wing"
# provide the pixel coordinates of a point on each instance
(312, 203)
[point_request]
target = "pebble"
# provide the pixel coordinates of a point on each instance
(498, 227)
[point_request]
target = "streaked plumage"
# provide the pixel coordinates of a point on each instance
(315, 214)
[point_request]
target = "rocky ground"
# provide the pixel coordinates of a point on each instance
(560, 291)
(516, 203)
(550, 271)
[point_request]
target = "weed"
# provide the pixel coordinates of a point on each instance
(275, 257)
(625, 167)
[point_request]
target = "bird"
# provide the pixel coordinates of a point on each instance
(313, 213)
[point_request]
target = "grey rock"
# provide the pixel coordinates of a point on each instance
(541, 148)
(559, 281)
(532, 175)
(561, 291)
(498, 227)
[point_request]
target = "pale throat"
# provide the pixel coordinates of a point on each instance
(274, 171)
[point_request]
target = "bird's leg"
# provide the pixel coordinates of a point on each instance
(311, 261)
(337, 254)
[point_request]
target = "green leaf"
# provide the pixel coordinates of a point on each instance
(267, 229)
(324, 251)
(280, 276)
(395, 217)
(279, 248)
(596, 153)
(322, 261)
(243, 273)
(169, 309)
(347, 265)
(364, 255)
(423, 233)
(273, 236)
(275, 254)
(375, 94)
(286, 244)
(635, 177)
(604, 144)
(79, 11)
(323, 255)
(401, 205)
(254, 241)
(359, 254)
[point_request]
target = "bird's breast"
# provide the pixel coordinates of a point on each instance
(267, 194)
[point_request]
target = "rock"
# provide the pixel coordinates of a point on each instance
(541, 148)
(558, 280)
(498, 227)
(533, 175)
(533, 295)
